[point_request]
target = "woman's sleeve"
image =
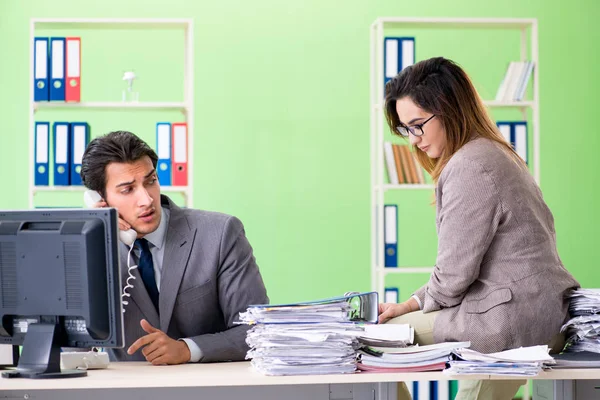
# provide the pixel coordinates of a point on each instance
(469, 215)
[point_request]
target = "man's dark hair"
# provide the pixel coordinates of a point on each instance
(118, 146)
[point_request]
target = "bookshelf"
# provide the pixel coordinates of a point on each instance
(379, 186)
(185, 107)
(528, 29)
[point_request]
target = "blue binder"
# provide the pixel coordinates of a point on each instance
(519, 132)
(398, 53)
(163, 149)
(506, 130)
(80, 137)
(515, 132)
(433, 390)
(391, 295)
(40, 69)
(57, 69)
(42, 153)
(62, 153)
(390, 234)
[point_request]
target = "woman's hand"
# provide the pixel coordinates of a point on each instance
(388, 311)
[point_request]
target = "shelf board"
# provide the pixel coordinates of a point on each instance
(409, 186)
(407, 270)
(115, 105)
(509, 104)
(493, 103)
(36, 189)
(175, 189)
(110, 23)
(474, 23)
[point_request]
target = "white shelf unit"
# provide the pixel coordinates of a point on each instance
(528, 51)
(186, 107)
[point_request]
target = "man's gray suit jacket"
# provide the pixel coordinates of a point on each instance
(208, 276)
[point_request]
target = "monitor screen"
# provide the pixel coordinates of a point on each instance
(60, 285)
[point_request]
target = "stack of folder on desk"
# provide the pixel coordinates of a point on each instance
(580, 359)
(317, 337)
(524, 361)
(303, 349)
(407, 359)
(583, 329)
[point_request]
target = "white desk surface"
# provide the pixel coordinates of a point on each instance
(144, 375)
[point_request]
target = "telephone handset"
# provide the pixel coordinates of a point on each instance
(91, 197)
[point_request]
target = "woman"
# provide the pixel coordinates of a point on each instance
(498, 281)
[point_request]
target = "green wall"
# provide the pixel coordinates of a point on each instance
(282, 119)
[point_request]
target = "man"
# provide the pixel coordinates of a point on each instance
(196, 270)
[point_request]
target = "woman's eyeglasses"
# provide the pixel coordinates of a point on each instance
(416, 130)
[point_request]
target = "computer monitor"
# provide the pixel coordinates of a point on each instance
(60, 286)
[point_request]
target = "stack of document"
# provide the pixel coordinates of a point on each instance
(388, 336)
(318, 337)
(580, 359)
(524, 361)
(583, 330)
(303, 349)
(408, 359)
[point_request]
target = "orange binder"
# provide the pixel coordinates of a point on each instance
(179, 145)
(73, 70)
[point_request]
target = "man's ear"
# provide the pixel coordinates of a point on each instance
(103, 195)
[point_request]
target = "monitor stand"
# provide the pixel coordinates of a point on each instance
(40, 358)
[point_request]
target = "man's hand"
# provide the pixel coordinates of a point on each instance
(124, 226)
(160, 349)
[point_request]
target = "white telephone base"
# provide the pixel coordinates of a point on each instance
(84, 360)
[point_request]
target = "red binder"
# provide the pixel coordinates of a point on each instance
(179, 145)
(73, 70)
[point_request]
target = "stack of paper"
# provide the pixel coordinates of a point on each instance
(318, 337)
(583, 330)
(524, 361)
(408, 359)
(303, 349)
(581, 359)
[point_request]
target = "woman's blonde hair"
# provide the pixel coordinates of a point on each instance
(439, 86)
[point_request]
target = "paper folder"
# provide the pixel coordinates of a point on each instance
(390, 224)
(80, 136)
(506, 131)
(515, 132)
(163, 150)
(398, 53)
(180, 154)
(62, 154)
(391, 295)
(365, 306)
(41, 89)
(73, 70)
(57, 69)
(42, 154)
(520, 139)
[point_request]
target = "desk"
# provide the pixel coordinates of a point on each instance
(140, 380)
